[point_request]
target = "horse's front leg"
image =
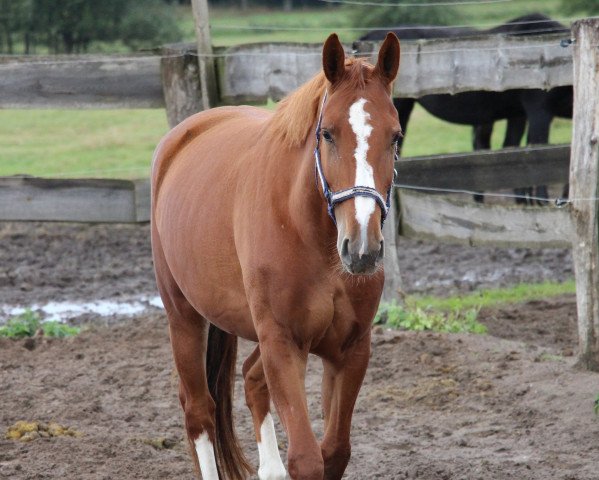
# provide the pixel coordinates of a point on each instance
(284, 364)
(341, 383)
(257, 398)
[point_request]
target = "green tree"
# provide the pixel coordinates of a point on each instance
(149, 24)
(13, 19)
(70, 26)
(587, 7)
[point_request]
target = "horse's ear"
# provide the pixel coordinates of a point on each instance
(388, 61)
(333, 59)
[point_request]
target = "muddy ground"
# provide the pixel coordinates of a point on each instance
(509, 404)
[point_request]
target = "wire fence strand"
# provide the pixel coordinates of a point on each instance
(397, 27)
(557, 201)
(417, 5)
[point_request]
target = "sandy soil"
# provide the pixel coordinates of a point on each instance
(505, 405)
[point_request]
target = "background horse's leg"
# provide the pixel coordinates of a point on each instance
(514, 131)
(513, 138)
(284, 363)
(257, 398)
(481, 140)
(538, 111)
(341, 383)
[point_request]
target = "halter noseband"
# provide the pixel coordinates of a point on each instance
(333, 198)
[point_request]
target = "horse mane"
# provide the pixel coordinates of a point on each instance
(295, 115)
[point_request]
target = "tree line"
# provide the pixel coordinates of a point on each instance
(69, 26)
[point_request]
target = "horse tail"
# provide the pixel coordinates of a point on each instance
(221, 355)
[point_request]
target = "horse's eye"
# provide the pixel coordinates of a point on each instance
(397, 137)
(327, 136)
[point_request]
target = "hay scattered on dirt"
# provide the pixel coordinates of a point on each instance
(26, 431)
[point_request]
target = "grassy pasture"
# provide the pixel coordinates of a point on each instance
(119, 143)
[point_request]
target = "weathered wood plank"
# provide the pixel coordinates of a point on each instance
(584, 186)
(253, 73)
(180, 81)
(443, 219)
(205, 61)
(256, 72)
(142, 200)
(487, 170)
(492, 62)
(84, 81)
(29, 198)
(392, 287)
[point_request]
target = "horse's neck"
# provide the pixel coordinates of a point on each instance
(298, 193)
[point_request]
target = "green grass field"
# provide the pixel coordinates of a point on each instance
(119, 143)
(79, 143)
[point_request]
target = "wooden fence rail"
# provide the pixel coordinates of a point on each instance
(68, 200)
(27, 198)
(487, 170)
(82, 81)
(256, 72)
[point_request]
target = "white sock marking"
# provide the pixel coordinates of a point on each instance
(271, 466)
(358, 119)
(205, 451)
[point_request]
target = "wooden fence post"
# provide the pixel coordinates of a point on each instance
(392, 287)
(584, 180)
(181, 88)
(205, 58)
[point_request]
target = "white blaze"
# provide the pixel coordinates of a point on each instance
(271, 466)
(358, 119)
(205, 451)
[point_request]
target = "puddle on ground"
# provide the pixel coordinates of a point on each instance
(67, 310)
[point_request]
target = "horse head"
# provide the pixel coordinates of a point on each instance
(358, 132)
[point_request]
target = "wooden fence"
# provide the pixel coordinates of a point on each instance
(253, 73)
(422, 216)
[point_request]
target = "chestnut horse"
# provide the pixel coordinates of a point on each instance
(247, 244)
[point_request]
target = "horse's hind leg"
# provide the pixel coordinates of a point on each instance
(257, 398)
(513, 137)
(188, 334)
(481, 140)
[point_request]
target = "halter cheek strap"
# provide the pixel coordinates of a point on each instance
(334, 198)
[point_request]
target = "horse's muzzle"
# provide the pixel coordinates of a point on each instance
(361, 263)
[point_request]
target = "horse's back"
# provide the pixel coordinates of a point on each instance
(194, 128)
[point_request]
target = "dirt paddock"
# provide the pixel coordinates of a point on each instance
(509, 404)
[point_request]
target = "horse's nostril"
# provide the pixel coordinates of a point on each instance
(382, 250)
(345, 247)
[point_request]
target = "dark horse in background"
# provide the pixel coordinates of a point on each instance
(481, 108)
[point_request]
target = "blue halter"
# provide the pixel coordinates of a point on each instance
(333, 198)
